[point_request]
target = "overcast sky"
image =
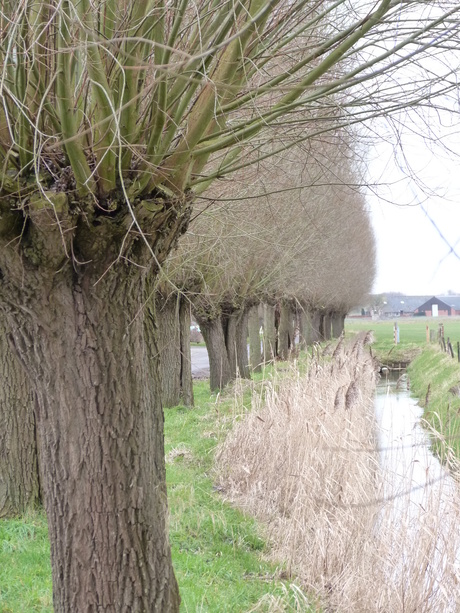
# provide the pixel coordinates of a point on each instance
(417, 188)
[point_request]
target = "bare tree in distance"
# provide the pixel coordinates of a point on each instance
(114, 115)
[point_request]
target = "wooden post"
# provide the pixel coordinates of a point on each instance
(396, 334)
(427, 334)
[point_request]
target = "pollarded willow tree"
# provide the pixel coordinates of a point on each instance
(331, 266)
(114, 114)
(221, 265)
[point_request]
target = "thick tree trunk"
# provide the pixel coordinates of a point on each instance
(338, 324)
(269, 333)
(173, 323)
(316, 325)
(219, 366)
(229, 325)
(72, 290)
(100, 434)
(19, 479)
(242, 344)
(327, 327)
(305, 329)
(185, 353)
(286, 332)
(236, 340)
(169, 344)
(255, 354)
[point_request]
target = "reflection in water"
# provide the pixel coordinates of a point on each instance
(423, 500)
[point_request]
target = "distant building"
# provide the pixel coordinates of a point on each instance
(439, 306)
(401, 306)
(398, 305)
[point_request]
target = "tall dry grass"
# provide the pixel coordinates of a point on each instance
(305, 461)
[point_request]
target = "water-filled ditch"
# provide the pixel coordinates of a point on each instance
(422, 501)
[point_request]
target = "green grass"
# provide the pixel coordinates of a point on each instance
(25, 570)
(218, 552)
(412, 335)
(432, 375)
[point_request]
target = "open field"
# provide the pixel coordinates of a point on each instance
(412, 335)
(412, 329)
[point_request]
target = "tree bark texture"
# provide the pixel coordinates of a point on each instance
(255, 354)
(220, 373)
(169, 345)
(229, 325)
(173, 323)
(185, 352)
(101, 445)
(327, 326)
(269, 333)
(305, 329)
(19, 476)
(316, 326)
(286, 332)
(236, 340)
(72, 291)
(226, 338)
(338, 324)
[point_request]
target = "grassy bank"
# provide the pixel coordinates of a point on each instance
(435, 380)
(219, 554)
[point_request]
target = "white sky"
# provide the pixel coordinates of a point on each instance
(412, 258)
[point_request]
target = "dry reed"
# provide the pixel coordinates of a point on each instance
(305, 461)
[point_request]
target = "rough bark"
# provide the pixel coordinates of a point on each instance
(229, 325)
(242, 344)
(220, 373)
(255, 354)
(101, 445)
(235, 327)
(19, 477)
(305, 329)
(173, 323)
(316, 323)
(269, 333)
(185, 352)
(72, 290)
(326, 326)
(169, 345)
(286, 332)
(338, 324)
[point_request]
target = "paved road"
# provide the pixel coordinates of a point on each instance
(200, 362)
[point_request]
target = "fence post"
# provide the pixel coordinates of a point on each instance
(427, 334)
